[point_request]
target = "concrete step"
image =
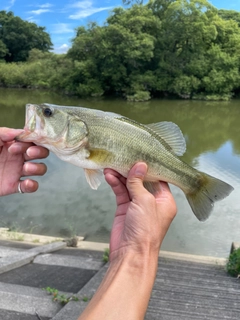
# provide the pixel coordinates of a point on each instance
(28, 300)
(6, 252)
(72, 310)
(12, 315)
(182, 291)
(24, 257)
(73, 262)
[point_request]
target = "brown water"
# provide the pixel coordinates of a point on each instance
(65, 204)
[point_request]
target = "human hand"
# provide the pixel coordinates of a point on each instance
(14, 157)
(142, 219)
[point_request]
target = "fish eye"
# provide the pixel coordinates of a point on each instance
(47, 112)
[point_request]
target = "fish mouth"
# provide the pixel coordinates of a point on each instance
(32, 124)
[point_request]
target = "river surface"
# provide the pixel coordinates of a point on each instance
(65, 205)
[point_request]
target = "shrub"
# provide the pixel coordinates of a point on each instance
(233, 265)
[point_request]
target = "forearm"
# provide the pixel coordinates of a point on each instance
(125, 290)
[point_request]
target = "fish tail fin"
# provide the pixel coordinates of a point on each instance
(210, 190)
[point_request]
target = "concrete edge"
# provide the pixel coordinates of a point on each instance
(87, 245)
(193, 258)
(32, 238)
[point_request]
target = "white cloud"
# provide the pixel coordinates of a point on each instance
(11, 3)
(46, 5)
(82, 4)
(32, 19)
(62, 49)
(86, 9)
(39, 11)
(61, 28)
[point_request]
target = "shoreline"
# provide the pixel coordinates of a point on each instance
(35, 239)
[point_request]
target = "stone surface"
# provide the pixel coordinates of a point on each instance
(73, 262)
(19, 259)
(27, 300)
(182, 291)
(72, 310)
(12, 315)
(42, 276)
(5, 251)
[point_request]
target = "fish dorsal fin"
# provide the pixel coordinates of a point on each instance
(171, 134)
(93, 177)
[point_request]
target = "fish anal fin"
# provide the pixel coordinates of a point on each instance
(93, 177)
(171, 134)
(152, 187)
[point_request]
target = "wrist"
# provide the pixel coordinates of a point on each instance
(127, 285)
(134, 260)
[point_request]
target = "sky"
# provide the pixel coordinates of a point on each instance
(61, 17)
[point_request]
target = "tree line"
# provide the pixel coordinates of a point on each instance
(181, 48)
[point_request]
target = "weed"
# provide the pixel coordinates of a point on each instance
(233, 265)
(61, 298)
(19, 238)
(105, 256)
(85, 299)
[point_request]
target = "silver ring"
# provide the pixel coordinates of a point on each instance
(19, 188)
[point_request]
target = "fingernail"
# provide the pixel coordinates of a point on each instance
(33, 152)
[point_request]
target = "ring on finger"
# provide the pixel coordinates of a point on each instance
(19, 188)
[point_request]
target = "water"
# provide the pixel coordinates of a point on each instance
(65, 204)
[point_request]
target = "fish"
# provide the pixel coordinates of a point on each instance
(94, 140)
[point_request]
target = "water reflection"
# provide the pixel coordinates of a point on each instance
(66, 205)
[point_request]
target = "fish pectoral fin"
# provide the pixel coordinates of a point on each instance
(93, 177)
(152, 187)
(171, 134)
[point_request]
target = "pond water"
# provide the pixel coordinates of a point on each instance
(65, 204)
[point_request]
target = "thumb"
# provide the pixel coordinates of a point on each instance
(135, 179)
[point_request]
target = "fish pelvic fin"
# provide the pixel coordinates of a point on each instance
(211, 190)
(93, 177)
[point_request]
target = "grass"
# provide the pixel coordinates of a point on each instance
(105, 257)
(61, 298)
(85, 299)
(233, 265)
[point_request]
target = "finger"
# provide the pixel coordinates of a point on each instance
(135, 179)
(165, 201)
(118, 186)
(8, 134)
(34, 169)
(164, 192)
(37, 152)
(27, 186)
(31, 152)
(19, 147)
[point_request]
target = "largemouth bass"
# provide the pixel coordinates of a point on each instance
(94, 140)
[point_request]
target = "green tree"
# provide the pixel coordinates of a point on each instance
(230, 15)
(117, 55)
(3, 50)
(20, 36)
